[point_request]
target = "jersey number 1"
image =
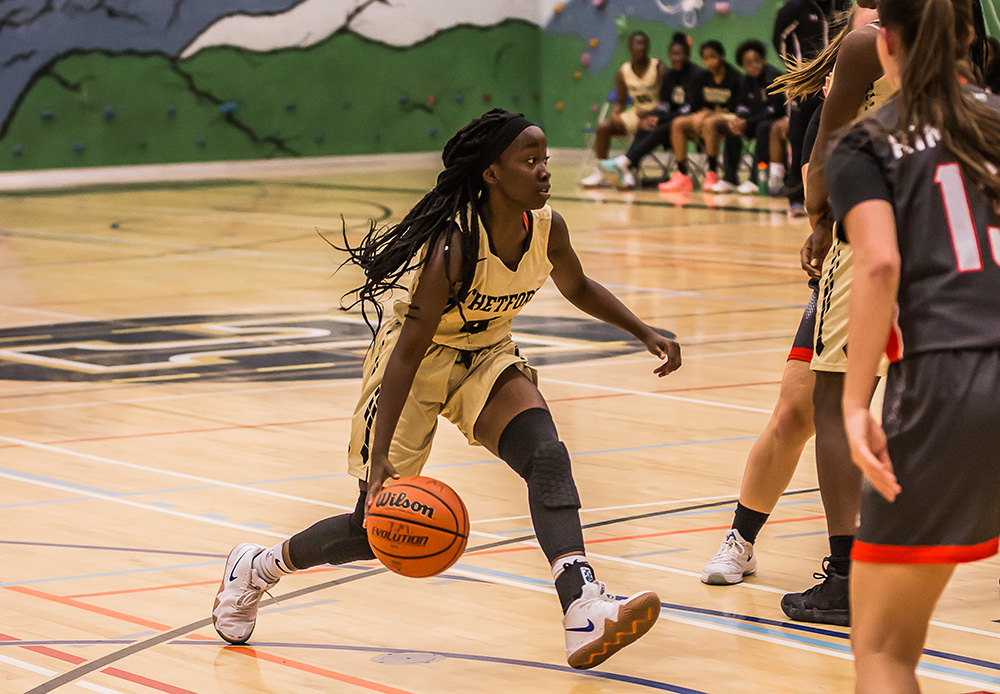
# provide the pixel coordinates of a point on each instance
(960, 223)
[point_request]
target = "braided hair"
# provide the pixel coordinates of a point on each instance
(386, 254)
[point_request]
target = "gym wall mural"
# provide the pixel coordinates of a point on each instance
(110, 82)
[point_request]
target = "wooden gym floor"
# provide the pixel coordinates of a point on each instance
(176, 377)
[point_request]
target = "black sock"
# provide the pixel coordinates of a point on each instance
(713, 163)
(840, 553)
(749, 522)
(569, 584)
(682, 166)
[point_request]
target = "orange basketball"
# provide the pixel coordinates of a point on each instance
(418, 526)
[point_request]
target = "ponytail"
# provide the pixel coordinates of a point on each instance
(935, 34)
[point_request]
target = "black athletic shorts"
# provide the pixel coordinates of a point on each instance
(802, 345)
(941, 416)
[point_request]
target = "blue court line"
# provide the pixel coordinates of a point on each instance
(783, 537)
(659, 551)
(744, 622)
(276, 608)
(503, 574)
(110, 573)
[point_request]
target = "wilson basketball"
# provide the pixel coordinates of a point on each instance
(418, 526)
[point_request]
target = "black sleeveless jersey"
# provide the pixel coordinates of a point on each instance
(948, 234)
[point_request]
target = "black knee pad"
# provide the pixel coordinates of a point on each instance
(531, 446)
(550, 477)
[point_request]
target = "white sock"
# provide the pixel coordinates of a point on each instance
(622, 161)
(777, 174)
(570, 559)
(271, 565)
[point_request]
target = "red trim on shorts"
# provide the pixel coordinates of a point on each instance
(800, 354)
(926, 554)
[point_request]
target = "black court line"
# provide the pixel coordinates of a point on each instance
(231, 183)
(115, 656)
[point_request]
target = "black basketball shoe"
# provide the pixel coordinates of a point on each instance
(827, 602)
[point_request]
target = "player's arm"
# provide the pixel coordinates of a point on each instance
(593, 298)
(861, 199)
(871, 229)
(856, 68)
(785, 24)
(621, 94)
(429, 301)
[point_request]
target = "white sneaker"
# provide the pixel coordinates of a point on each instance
(747, 188)
(617, 174)
(598, 624)
(594, 180)
(734, 560)
(723, 187)
(235, 612)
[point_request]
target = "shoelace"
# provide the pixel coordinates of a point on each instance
(733, 544)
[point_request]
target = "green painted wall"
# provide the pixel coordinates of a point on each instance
(345, 95)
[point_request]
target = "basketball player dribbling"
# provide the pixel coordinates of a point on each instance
(481, 244)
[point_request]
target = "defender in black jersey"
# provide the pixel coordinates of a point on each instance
(917, 190)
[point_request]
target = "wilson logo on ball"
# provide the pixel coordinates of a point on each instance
(400, 500)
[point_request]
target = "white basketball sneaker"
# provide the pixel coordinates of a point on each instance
(734, 560)
(598, 624)
(235, 611)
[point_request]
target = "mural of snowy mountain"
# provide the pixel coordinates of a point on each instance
(99, 82)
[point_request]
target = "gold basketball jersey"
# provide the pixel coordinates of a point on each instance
(497, 293)
(644, 91)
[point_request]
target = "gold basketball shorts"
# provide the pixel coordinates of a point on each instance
(450, 382)
(833, 302)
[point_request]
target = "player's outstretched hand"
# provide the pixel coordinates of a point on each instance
(381, 470)
(869, 451)
(664, 348)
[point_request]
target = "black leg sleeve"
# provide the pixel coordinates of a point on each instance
(336, 540)
(531, 446)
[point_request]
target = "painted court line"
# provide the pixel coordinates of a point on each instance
(664, 396)
(146, 507)
(169, 473)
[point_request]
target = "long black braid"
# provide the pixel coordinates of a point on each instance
(386, 254)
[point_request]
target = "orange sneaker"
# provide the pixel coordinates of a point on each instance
(711, 178)
(678, 183)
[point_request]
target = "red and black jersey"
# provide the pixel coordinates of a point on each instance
(949, 236)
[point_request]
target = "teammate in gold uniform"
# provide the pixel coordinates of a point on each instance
(481, 244)
(638, 79)
(858, 85)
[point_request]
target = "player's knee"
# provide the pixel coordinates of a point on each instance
(550, 477)
(793, 419)
(531, 446)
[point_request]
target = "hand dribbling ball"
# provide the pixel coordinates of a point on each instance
(417, 526)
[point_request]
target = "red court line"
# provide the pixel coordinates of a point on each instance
(70, 602)
(112, 671)
(312, 669)
(304, 667)
(189, 431)
(635, 537)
